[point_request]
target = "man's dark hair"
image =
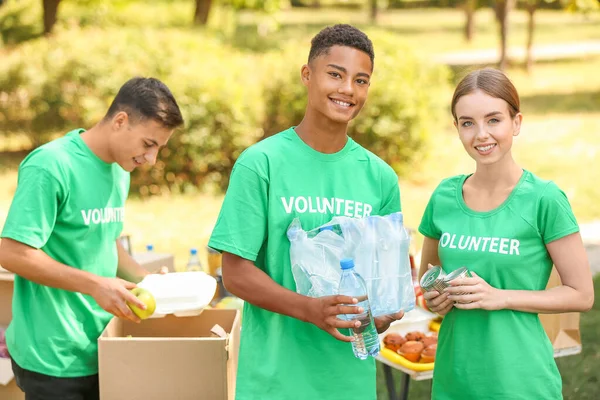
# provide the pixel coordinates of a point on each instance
(147, 99)
(340, 35)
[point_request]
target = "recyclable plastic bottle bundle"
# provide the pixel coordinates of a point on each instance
(379, 247)
(366, 339)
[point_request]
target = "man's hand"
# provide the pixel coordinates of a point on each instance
(324, 311)
(383, 322)
(112, 294)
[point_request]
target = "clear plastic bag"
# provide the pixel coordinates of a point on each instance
(379, 246)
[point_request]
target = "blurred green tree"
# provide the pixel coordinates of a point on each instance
(18, 23)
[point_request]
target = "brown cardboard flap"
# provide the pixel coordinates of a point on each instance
(11, 392)
(171, 326)
(562, 329)
(8, 388)
(6, 292)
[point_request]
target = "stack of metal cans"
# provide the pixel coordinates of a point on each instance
(436, 279)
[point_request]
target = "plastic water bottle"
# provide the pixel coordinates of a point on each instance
(194, 263)
(366, 340)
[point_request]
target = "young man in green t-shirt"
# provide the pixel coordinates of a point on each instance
(61, 235)
(291, 348)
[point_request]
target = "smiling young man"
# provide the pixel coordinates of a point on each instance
(291, 348)
(60, 239)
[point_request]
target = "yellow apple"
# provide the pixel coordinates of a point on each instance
(145, 297)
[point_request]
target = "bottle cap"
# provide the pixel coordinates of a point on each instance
(347, 263)
(193, 252)
(149, 247)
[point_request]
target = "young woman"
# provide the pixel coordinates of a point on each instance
(508, 227)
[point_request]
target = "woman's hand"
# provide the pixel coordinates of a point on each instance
(473, 293)
(438, 303)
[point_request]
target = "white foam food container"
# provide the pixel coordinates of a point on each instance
(180, 293)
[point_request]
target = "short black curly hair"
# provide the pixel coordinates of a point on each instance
(340, 35)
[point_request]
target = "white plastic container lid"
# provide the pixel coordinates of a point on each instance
(180, 293)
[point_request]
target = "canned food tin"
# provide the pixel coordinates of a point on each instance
(433, 279)
(461, 272)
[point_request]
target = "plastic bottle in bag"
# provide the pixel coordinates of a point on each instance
(405, 270)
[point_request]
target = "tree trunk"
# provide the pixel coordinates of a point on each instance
(502, 10)
(373, 11)
(469, 8)
(531, 8)
(202, 11)
(50, 12)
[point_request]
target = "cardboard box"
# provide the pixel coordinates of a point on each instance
(152, 261)
(8, 387)
(170, 358)
(562, 329)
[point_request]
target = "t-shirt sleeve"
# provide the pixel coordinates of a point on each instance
(34, 208)
(555, 216)
(241, 227)
(391, 194)
(427, 226)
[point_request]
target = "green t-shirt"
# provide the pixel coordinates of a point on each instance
(70, 204)
(273, 182)
(501, 354)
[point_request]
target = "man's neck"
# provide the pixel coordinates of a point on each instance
(322, 134)
(96, 139)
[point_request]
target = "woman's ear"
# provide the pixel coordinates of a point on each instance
(517, 120)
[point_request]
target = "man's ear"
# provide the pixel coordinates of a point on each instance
(120, 120)
(305, 73)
